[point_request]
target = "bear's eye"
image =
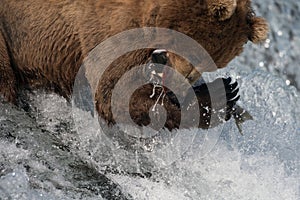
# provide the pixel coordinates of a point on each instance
(251, 14)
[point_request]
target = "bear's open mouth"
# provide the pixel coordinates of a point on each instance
(156, 73)
(160, 74)
(155, 70)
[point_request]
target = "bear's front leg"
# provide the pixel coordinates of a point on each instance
(7, 75)
(221, 9)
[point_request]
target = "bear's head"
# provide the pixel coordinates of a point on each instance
(221, 27)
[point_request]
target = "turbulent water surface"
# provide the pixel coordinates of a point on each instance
(43, 156)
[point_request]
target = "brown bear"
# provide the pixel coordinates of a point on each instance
(44, 43)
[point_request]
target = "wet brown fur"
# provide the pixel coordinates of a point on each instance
(43, 43)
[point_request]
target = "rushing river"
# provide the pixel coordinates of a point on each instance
(42, 156)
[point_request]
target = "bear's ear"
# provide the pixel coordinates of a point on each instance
(259, 30)
(221, 9)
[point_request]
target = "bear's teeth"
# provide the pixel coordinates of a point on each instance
(157, 74)
(160, 74)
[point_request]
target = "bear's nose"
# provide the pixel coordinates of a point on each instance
(159, 56)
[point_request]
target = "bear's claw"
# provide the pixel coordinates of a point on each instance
(232, 96)
(204, 99)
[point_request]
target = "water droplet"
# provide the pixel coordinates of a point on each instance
(261, 64)
(281, 54)
(267, 45)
